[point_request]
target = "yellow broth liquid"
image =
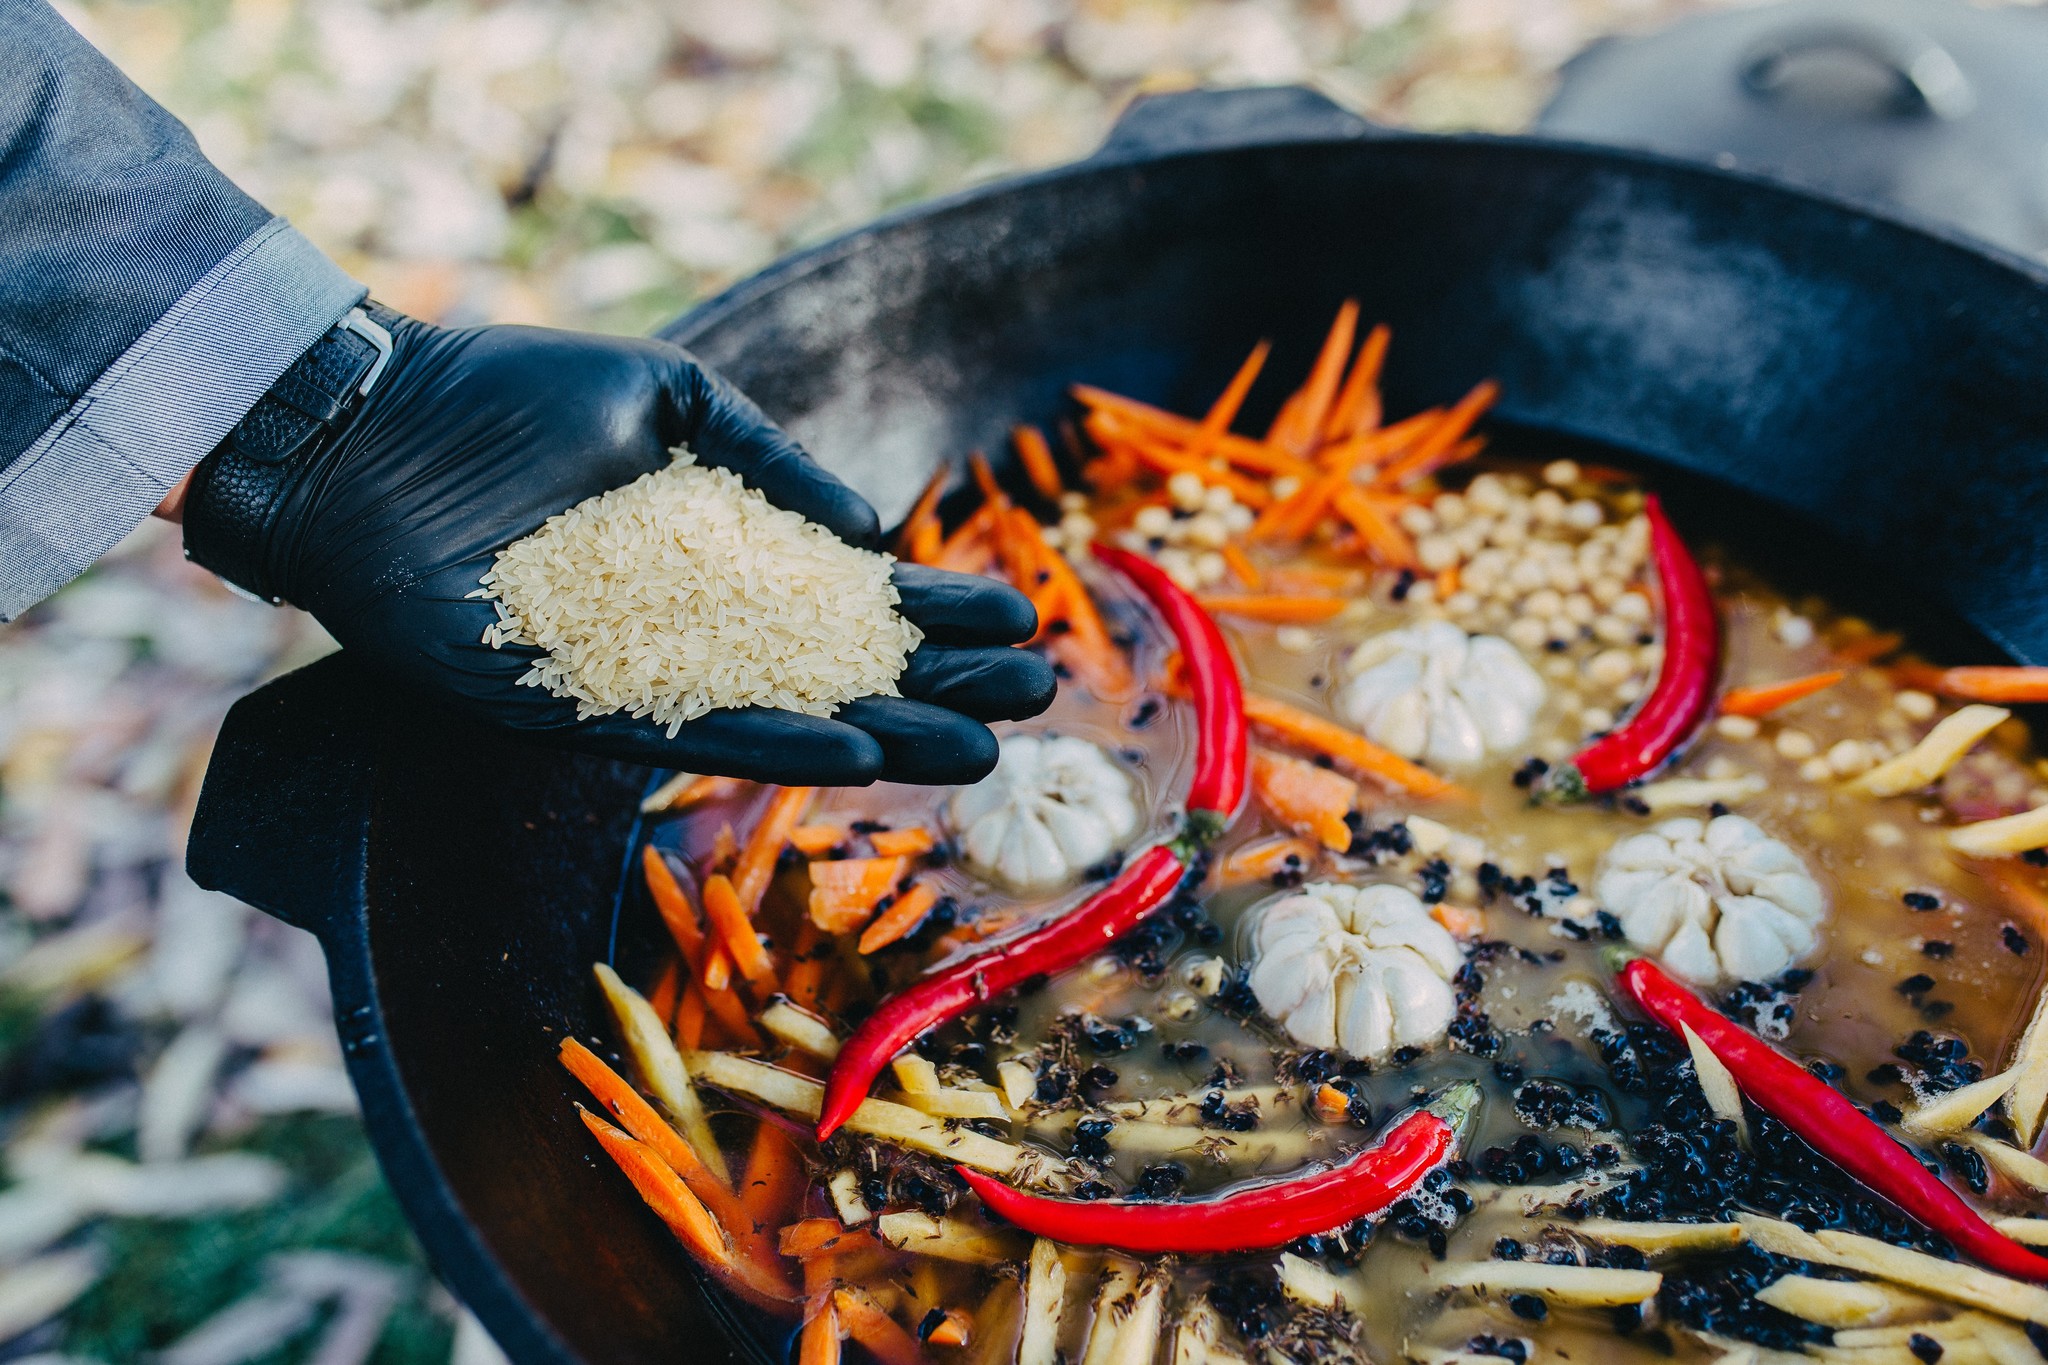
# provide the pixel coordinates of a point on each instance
(1866, 853)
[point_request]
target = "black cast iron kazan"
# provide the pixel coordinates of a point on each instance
(1884, 384)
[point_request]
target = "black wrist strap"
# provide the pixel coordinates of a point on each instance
(235, 490)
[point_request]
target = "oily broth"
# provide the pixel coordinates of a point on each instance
(1544, 1000)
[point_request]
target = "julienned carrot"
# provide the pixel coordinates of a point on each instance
(821, 1340)
(1346, 747)
(1433, 449)
(774, 1182)
(845, 891)
(716, 974)
(1216, 421)
(1036, 456)
(735, 931)
(985, 476)
(730, 1011)
(1277, 608)
(690, 1015)
(968, 550)
(667, 988)
(806, 975)
(1086, 647)
(756, 867)
(1242, 451)
(1868, 648)
(816, 840)
(1358, 405)
(1297, 516)
(1768, 697)
(1994, 683)
(673, 904)
(867, 1324)
(638, 1118)
(699, 790)
(903, 915)
(1305, 420)
(1266, 858)
(808, 1236)
(1241, 565)
(664, 1192)
(899, 843)
(1305, 798)
(1163, 456)
(920, 537)
(1389, 544)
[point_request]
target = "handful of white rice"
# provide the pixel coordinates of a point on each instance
(686, 590)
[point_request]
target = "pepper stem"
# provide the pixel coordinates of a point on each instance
(1457, 1106)
(1563, 783)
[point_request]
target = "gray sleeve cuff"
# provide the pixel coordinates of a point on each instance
(158, 410)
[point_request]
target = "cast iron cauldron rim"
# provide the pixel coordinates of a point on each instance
(806, 260)
(458, 1248)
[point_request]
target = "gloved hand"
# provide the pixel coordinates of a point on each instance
(472, 438)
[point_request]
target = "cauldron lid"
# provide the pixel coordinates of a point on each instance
(1928, 105)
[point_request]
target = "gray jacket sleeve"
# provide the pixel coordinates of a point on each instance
(145, 303)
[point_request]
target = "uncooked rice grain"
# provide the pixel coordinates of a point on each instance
(685, 591)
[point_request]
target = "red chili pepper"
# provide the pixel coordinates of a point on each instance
(1222, 763)
(1247, 1219)
(1221, 769)
(1142, 887)
(1835, 1128)
(1685, 681)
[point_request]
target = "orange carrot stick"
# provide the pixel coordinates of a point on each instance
(1241, 565)
(1216, 422)
(1358, 405)
(1984, 682)
(1307, 418)
(986, 477)
(821, 1342)
(639, 1118)
(903, 915)
(816, 840)
(664, 1192)
(1868, 648)
(730, 1011)
(1086, 648)
(774, 1182)
(898, 843)
(1305, 798)
(689, 1027)
(702, 789)
(1241, 451)
(729, 921)
(1346, 747)
(967, 550)
(1434, 448)
(1167, 460)
(1036, 457)
(1281, 610)
(1764, 699)
(867, 1324)
(673, 903)
(806, 975)
(756, 867)
(845, 891)
(1389, 544)
(922, 525)
(667, 987)
(1265, 858)
(809, 1236)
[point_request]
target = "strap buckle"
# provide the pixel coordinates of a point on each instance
(357, 321)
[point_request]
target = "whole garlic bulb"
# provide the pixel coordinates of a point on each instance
(1362, 969)
(1430, 691)
(1053, 806)
(1715, 901)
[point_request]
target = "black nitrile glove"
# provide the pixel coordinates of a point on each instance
(472, 438)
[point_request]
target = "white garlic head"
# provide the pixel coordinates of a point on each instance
(1432, 692)
(1053, 806)
(1716, 901)
(1359, 969)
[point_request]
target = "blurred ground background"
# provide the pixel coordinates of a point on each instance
(187, 1182)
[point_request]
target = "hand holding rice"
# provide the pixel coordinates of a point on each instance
(686, 591)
